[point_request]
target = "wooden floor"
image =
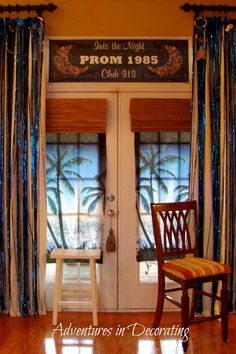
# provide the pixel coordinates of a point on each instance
(35, 335)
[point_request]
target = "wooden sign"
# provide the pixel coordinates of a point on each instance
(118, 60)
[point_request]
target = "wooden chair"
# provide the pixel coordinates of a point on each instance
(177, 256)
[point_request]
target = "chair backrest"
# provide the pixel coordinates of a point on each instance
(172, 227)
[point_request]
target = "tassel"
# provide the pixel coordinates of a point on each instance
(111, 241)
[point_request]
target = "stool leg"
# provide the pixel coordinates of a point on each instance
(60, 287)
(56, 290)
(94, 290)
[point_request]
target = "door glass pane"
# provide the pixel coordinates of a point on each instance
(76, 171)
(162, 175)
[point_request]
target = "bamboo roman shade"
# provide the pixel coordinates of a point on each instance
(75, 115)
(161, 114)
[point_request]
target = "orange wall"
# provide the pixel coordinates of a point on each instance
(118, 17)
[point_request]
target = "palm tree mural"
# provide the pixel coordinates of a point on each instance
(95, 194)
(154, 167)
(141, 190)
(61, 163)
(144, 189)
(183, 192)
(52, 202)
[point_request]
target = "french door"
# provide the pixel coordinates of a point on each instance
(124, 284)
(134, 292)
(130, 292)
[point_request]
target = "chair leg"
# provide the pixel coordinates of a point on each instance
(160, 301)
(193, 304)
(185, 318)
(224, 310)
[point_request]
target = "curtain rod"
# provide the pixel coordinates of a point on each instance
(38, 8)
(199, 8)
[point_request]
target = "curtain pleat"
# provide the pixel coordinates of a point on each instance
(42, 200)
(207, 177)
(230, 93)
(213, 143)
(13, 288)
(22, 149)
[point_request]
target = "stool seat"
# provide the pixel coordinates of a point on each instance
(77, 254)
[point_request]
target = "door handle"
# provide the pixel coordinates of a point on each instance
(110, 197)
(111, 213)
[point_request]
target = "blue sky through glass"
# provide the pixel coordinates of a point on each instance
(80, 228)
(168, 157)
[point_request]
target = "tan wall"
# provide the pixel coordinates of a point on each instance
(118, 17)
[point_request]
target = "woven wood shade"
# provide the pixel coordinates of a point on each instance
(76, 115)
(165, 114)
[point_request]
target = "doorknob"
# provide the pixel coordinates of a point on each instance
(110, 197)
(111, 212)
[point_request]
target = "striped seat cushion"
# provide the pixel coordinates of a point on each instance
(194, 267)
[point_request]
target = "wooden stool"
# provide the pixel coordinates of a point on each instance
(91, 255)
